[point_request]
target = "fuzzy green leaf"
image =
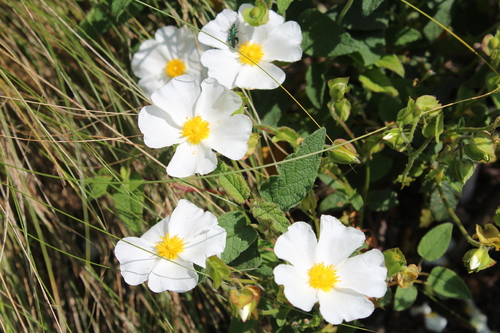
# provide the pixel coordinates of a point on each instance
(234, 184)
(269, 215)
(297, 177)
(239, 235)
(447, 283)
(435, 242)
(391, 62)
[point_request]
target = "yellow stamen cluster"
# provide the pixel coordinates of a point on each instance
(253, 53)
(170, 247)
(323, 277)
(175, 67)
(195, 129)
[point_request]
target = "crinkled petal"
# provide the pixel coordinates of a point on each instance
(158, 127)
(297, 245)
(253, 77)
(343, 304)
(230, 136)
(205, 245)
(218, 28)
(137, 259)
(223, 65)
(188, 220)
(149, 60)
(283, 44)
(178, 98)
(297, 290)
(364, 273)
(216, 101)
(337, 242)
(177, 276)
(190, 159)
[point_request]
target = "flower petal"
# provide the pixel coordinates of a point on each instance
(283, 44)
(343, 304)
(205, 245)
(253, 77)
(297, 290)
(216, 101)
(178, 98)
(337, 242)
(230, 136)
(188, 220)
(222, 65)
(149, 60)
(297, 245)
(136, 259)
(158, 127)
(364, 273)
(218, 28)
(190, 159)
(158, 230)
(152, 82)
(178, 276)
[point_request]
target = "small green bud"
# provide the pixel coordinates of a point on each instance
(409, 115)
(257, 15)
(342, 109)
(433, 127)
(428, 105)
(343, 152)
(338, 88)
(494, 43)
(476, 260)
(395, 139)
(481, 148)
(462, 170)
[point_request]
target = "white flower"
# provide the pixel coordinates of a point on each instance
(188, 236)
(173, 52)
(322, 270)
(199, 120)
(273, 41)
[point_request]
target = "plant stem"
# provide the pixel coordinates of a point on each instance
(455, 217)
(344, 11)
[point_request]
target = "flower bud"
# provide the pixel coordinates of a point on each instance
(244, 303)
(343, 152)
(489, 236)
(395, 139)
(476, 260)
(406, 277)
(462, 170)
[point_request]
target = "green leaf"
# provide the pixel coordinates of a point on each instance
(118, 7)
(315, 83)
(371, 45)
(217, 270)
(234, 184)
(248, 259)
(269, 215)
(297, 177)
(380, 201)
(239, 235)
(369, 6)
(395, 261)
(447, 283)
(129, 202)
(391, 62)
(99, 186)
(283, 6)
(436, 203)
(443, 16)
(323, 37)
(401, 35)
(435, 242)
(404, 298)
(335, 201)
(374, 80)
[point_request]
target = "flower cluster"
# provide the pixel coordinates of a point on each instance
(201, 115)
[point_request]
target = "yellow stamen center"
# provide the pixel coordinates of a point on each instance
(323, 277)
(170, 247)
(195, 130)
(251, 50)
(175, 68)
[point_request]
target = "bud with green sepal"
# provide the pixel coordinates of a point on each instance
(343, 152)
(476, 260)
(396, 139)
(257, 15)
(244, 303)
(481, 147)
